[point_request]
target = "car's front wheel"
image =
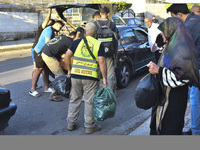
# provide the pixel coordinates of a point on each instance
(123, 74)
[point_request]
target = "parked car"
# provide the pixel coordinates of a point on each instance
(7, 108)
(128, 21)
(118, 21)
(132, 54)
(131, 21)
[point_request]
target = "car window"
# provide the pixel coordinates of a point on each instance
(137, 21)
(129, 21)
(141, 35)
(128, 37)
(118, 21)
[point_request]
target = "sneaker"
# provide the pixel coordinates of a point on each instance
(70, 127)
(49, 90)
(93, 129)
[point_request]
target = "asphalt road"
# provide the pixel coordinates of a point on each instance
(39, 116)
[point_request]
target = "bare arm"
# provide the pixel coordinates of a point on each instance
(77, 35)
(44, 24)
(154, 48)
(47, 39)
(168, 77)
(67, 60)
(103, 69)
(145, 40)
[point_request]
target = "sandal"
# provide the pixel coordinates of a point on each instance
(50, 90)
(35, 93)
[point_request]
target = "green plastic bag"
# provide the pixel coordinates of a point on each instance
(104, 104)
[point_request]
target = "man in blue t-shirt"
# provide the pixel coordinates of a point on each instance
(47, 22)
(47, 34)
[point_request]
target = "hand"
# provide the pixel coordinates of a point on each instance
(104, 82)
(153, 68)
(69, 73)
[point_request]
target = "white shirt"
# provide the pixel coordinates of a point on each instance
(153, 32)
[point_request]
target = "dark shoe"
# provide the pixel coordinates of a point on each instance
(70, 127)
(54, 97)
(189, 132)
(93, 129)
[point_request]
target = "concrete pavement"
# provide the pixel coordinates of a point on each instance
(139, 125)
(16, 45)
(144, 129)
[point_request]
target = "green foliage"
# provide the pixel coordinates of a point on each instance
(122, 5)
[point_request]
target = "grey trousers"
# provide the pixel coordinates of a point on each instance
(111, 78)
(82, 89)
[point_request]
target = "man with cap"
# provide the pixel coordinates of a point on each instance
(80, 30)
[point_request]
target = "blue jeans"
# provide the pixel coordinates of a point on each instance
(32, 54)
(195, 110)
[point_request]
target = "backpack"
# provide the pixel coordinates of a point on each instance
(106, 36)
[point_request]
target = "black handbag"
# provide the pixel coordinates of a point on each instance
(147, 92)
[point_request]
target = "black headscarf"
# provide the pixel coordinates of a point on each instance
(180, 54)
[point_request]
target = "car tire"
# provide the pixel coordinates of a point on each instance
(123, 74)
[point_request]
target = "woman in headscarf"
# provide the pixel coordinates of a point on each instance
(177, 68)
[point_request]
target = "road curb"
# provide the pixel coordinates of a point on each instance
(16, 47)
(131, 124)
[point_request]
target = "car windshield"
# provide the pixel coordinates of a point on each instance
(118, 21)
(131, 21)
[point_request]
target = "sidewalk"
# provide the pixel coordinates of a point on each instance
(145, 130)
(16, 45)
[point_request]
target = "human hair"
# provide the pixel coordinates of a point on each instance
(51, 22)
(194, 7)
(73, 33)
(96, 13)
(105, 10)
(178, 8)
(60, 22)
(90, 29)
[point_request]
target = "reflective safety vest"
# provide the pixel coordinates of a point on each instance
(83, 63)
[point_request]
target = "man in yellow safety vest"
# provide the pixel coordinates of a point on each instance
(84, 77)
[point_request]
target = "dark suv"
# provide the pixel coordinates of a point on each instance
(7, 108)
(132, 54)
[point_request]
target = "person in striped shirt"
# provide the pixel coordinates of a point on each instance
(177, 68)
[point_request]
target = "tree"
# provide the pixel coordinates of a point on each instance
(122, 5)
